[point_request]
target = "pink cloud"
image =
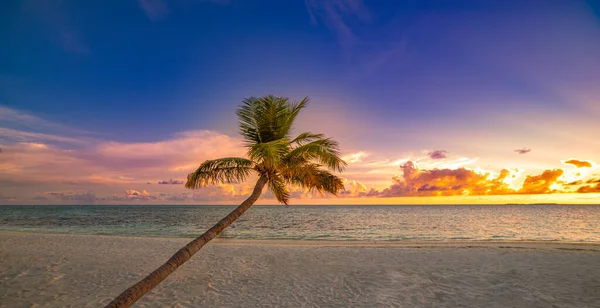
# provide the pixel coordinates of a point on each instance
(32, 137)
(105, 167)
(437, 154)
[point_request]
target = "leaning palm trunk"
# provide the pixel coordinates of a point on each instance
(135, 292)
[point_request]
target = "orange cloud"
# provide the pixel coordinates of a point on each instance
(354, 189)
(541, 184)
(132, 193)
(461, 181)
(445, 182)
(590, 188)
(579, 163)
(354, 157)
(574, 183)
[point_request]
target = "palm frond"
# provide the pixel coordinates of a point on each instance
(324, 151)
(293, 111)
(307, 137)
(279, 189)
(248, 114)
(329, 182)
(270, 154)
(268, 118)
(312, 177)
(222, 170)
(303, 174)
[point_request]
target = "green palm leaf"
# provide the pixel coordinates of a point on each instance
(307, 137)
(313, 178)
(324, 151)
(269, 154)
(279, 189)
(222, 170)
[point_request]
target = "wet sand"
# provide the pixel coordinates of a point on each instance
(88, 271)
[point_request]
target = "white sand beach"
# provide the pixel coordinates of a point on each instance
(88, 271)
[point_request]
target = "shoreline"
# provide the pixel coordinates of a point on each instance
(588, 246)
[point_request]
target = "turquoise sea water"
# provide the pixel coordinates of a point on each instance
(565, 223)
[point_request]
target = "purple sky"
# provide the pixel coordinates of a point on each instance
(97, 101)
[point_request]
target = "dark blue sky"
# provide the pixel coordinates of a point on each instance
(143, 70)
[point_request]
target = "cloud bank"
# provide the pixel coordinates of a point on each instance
(53, 167)
(415, 181)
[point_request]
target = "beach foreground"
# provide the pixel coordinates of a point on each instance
(88, 271)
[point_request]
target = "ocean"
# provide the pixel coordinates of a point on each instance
(560, 223)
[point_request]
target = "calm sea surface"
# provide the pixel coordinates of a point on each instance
(572, 223)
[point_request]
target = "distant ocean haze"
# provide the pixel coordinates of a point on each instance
(562, 223)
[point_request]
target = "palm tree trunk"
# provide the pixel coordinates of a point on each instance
(135, 292)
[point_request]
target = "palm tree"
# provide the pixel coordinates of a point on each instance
(266, 125)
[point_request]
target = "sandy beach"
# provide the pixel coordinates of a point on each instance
(88, 271)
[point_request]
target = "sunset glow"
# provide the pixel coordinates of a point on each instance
(450, 107)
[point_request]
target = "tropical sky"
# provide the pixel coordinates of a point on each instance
(115, 102)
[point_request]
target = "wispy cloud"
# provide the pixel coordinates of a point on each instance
(337, 15)
(24, 126)
(523, 151)
(171, 182)
(157, 10)
(86, 197)
(11, 116)
(154, 9)
(355, 157)
(8, 134)
(347, 20)
(222, 2)
(58, 24)
(21, 132)
(579, 163)
(437, 154)
(71, 41)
